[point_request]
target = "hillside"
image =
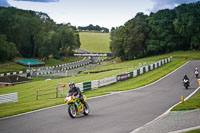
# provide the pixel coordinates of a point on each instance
(95, 42)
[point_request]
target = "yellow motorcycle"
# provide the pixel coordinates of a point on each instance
(75, 107)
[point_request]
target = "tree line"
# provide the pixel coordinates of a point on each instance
(33, 34)
(93, 28)
(161, 32)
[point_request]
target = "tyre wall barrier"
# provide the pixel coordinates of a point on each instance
(95, 84)
(107, 81)
(80, 85)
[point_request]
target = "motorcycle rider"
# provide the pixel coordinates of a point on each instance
(196, 72)
(186, 78)
(76, 91)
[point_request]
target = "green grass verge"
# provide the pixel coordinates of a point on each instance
(194, 131)
(95, 42)
(11, 68)
(191, 103)
(27, 91)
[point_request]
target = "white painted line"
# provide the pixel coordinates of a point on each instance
(31, 112)
(94, 97)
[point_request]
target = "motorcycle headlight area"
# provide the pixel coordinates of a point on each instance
(68, 98)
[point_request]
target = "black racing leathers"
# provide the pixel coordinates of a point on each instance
(77, 93)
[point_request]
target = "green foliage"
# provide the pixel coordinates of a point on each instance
(194, 131)
(162, 38)
(161, 32)
(192, 103)
(187, 23)
(35, 35)
(7, 50)
(128, 42)
(96, 28)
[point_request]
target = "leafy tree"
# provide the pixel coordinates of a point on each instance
(187, 23)
(136, 34)
(35, 34)
(49, 45)
(116, 45)
(7, 50)
(162, 37)
(160, 32)
(128, 42)
(93, 28)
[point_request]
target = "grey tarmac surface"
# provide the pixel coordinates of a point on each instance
(117, 113)
(173, 122)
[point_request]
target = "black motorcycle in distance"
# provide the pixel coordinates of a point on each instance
(196, 73)
(186, 83)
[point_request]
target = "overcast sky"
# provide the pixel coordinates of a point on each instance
(106, 13)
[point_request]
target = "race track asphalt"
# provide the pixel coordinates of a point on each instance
(117, 113)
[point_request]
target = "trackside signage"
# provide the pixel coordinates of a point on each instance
(9, 98)
(95, 54)
(123, 77)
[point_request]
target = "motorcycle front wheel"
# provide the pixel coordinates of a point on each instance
(86, 109)
(72, 111)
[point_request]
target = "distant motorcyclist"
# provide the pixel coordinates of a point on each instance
(76, 91)
(196, 72)
(186, 81)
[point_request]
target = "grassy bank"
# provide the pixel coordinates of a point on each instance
(95, 42)
(13, 67)
(194, 131)
(192, 103)
(27, 92)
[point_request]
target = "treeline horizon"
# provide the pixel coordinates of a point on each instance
(158, 33)
(91, 27)
(30, 34)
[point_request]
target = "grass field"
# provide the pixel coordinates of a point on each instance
(192, 103)
(194, 131)
(13, 67)
(27, 91)
(95, 42)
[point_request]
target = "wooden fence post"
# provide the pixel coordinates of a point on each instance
(56, 92)
(36, 94)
